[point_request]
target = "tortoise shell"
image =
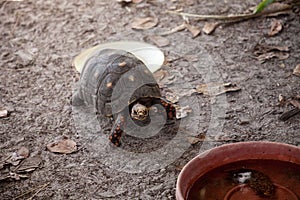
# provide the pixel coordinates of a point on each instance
(113, 79)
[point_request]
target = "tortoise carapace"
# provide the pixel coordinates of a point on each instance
(119, 85)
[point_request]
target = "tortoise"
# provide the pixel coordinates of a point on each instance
(259, 182)
(119, 85)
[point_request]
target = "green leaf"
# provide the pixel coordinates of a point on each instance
(262, 5)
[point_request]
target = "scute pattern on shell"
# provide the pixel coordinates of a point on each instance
(112, 79)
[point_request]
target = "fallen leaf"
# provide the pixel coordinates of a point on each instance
(23, 152)
(261, 49)
(16, 157)
(243, 120)
(269, 55)
(182, 111)
(25, 56)
(194, 140)
(216, 88)
(209, 27)
(193, 29)
(281, 99)
(163, 78)
(144, 23)
(28, 165)
(3, 113)
(172, 97)
(128, 2)
(295, 103)
(124, 1)
(159, 40)
(64, 145)
(174, 30)
(266, 52)
(191, 58)
(160, 75)
(4, 176)
(276, 27)
(269, 10)
(297, 70)
(137, 1)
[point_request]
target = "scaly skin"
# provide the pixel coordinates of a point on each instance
(120, 122)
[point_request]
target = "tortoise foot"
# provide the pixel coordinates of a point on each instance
(170, 109)
(116, 132)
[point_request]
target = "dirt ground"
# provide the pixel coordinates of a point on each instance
(39, 40)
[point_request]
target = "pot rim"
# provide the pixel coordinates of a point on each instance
(214, 158)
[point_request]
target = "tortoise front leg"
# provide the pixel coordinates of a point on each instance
(116, 132)
(170, 109)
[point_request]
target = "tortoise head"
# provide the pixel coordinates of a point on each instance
(139, 112)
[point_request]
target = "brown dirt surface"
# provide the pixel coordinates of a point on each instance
(39, 40)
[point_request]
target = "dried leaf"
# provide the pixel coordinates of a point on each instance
(25, 56)
(23, 152)
(209, 27)
(3, 113)
(64, 145)
(276, 6)
(215, 88)
(16, 157)
(270, 55)
(276, 27)
(128, 2)
(261, 49)
(159, 40)
(193, 29)
(191, 58)
(266, 52)
(186, 92)
(28, 165)
(160, 75)
(172, 97)
(124, 1)
(281, 99)
(174, 30)
(194, 140)
(295, 103)
(163, 78)
(137, 1)
(4, 176)
(297, 70)
(144, 23)
(182, 112)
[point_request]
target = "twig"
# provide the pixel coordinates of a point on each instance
(43, 187)
(39, 188)
(232, 17)
(288, 114)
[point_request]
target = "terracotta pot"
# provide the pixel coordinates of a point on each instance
(230, 153)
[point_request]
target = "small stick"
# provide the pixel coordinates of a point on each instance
(43, 187)
(288, 114)
(232, 17)
(32, 190)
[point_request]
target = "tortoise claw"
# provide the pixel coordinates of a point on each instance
(116, 132)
